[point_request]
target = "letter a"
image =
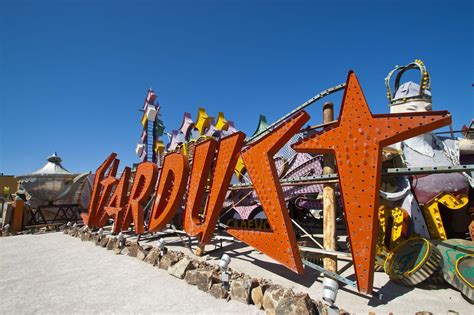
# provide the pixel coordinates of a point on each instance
(119, 200)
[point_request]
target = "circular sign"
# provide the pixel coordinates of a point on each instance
(464, 276)
(413, 261)
(452, 250)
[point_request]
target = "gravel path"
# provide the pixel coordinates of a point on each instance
(55, 273)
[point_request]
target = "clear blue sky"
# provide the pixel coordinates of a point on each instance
(74, 73)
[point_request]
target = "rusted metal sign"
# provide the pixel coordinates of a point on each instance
(356, 140)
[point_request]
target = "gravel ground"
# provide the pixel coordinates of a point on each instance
(55, 273)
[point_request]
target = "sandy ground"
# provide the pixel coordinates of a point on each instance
(55, 273)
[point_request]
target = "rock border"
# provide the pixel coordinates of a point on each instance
(263, 293)
(41, 230)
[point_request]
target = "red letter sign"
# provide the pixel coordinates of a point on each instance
(119, 200)
(170, 192)
(226, 159)
(98, 199)
(143, 186)
(280, 244)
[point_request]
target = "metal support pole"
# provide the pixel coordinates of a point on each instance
(329, 199)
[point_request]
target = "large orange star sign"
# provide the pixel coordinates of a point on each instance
(357, 140)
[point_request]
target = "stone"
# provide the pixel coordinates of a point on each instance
(153, 256)
(103, 242)
(240, 290)
(299, 304)
(112, 242)
(191, 277)
(85, 236)
(271, 297)
(168, 260)
(179, 269)
(141, 254)
(143, 251)
(204, 280)
(200, 277)
(218, 291)
(92, 237)
(257, 296)
(133, 249)
(125, 251)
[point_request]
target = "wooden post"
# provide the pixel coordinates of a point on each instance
(329, 199)
(17, 223)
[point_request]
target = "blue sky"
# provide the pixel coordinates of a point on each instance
(74, 73)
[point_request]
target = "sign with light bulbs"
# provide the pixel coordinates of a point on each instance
(200, 186)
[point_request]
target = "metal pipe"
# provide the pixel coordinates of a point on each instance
(332, 178)
(297, 109)
(306, 233)
(319, 126)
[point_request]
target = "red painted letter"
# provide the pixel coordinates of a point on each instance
(226, 159)
(96, 205)
(119, 200)
(280, 244)
(143, 186)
